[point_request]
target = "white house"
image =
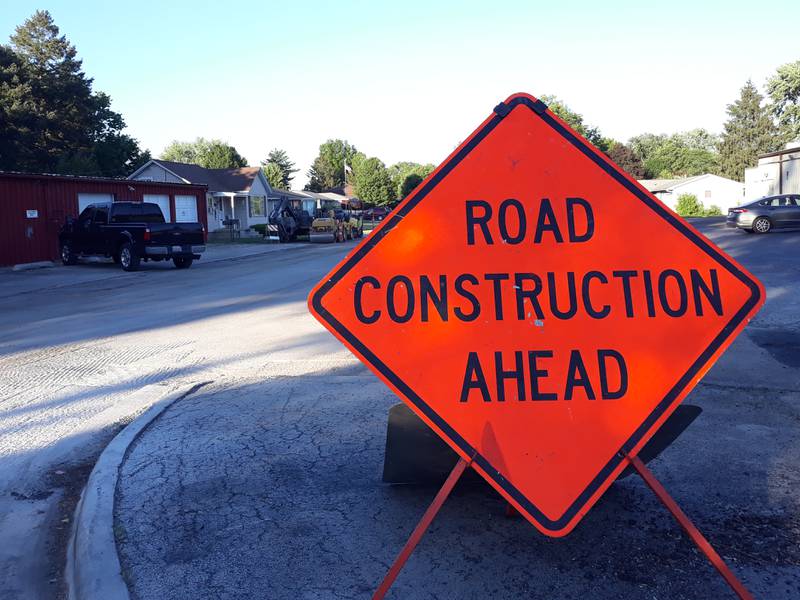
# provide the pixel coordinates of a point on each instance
(710, 190)
(776, 173)
(242, 194)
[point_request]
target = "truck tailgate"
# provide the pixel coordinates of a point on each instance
(176, 234)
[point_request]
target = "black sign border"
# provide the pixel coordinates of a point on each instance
(540, 109)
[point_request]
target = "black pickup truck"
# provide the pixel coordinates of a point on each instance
(130, 232)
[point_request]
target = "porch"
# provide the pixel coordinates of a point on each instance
(249, 210)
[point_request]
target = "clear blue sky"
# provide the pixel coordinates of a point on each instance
(409, 80)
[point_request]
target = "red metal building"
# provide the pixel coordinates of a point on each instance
(33, 208)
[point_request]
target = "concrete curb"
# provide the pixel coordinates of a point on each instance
(42, 264)
(93, 570)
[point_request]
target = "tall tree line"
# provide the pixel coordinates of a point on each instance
(51, 119)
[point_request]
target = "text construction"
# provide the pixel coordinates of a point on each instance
(594, 294)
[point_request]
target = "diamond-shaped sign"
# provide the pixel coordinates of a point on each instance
(539, 309)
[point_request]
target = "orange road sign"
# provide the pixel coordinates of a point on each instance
(537, 308)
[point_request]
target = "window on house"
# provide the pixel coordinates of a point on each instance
(257, 206)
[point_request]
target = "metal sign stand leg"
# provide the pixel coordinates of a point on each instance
(692, 531)
(421, 528)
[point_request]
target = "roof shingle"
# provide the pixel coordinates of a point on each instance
(217, 180)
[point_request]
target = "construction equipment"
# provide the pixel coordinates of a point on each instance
(288, 220)
(333, 225)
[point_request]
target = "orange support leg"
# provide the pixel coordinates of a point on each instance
(421, 528)
(692, 531)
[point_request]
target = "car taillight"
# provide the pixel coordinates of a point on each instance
(205, 233)
(147, 234)
(738, 210)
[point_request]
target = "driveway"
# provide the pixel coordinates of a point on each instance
(83, 349)
(268, 485)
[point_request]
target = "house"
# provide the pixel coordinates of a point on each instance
(325, 200)
(33, 208)
(710, 190)
(776, 173)
(304, 200)
(233, 194)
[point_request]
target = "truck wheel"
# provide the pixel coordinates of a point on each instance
(128, 258)
(67, 256)
(182, 262)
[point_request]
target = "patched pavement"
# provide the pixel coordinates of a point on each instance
(270, 486)
(273, 489)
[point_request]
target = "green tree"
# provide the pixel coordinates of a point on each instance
(645, 145)
(274, 175)
(210, 154)
(675, 159)
(625, 157)
(575, 120)
(682, 154)
(689, 206)
(50, 118)
(371, 181)
(783, 89)
(220, 155)
(408, 175)
(749, 132)
(182, 152)
(281, 160)
(327, 170)
(15, 99)
(409, 184)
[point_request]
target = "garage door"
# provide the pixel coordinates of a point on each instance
(163, 203)
(186, 209)
(85, 200)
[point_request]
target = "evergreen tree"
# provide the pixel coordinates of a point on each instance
(281, 160)
(748, 133)
(15, 97)
(50, 119)
(274, 174)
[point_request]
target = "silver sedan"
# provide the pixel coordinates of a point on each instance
(765, 214)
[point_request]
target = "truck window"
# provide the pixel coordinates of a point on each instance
(100, 215)
(151, 213)
(86, 217)
(125, 212)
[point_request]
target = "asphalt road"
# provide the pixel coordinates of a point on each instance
(269, 486)
(80, 358)
(83, 349)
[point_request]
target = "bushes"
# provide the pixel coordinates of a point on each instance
(689, 206)
(260, 228)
